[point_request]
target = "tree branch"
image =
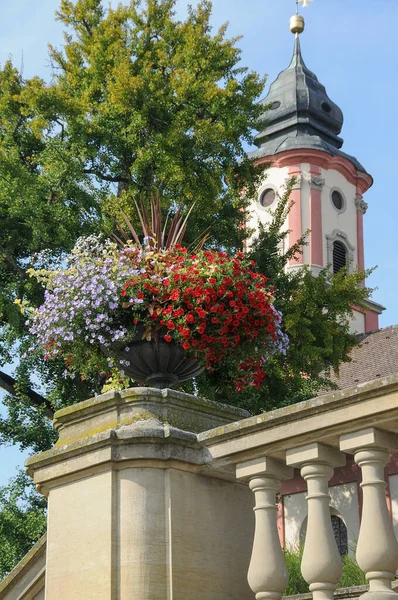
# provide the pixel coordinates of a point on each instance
(105, 177)
(8, 384)
(13, 263)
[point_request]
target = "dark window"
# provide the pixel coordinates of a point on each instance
(326, 107)
(337, 200)
(267, 197)
(275, 105)
(339, 256)
(340, 534)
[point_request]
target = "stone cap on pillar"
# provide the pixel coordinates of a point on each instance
(371, 437)
(118, 408)
(264, 466)
(315, 453)
(138, 426)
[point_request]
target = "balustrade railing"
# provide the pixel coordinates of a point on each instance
(377, 550)
(315, 437)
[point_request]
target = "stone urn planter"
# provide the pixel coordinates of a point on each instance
(157, 363)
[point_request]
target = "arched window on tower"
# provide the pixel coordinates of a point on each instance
(339, 256)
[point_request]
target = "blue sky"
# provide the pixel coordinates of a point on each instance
(350, 45)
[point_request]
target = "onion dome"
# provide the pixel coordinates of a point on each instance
(298, 113)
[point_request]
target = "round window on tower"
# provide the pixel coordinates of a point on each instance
(275, 105)
(267, 197)
(326, 107)
(338, 200)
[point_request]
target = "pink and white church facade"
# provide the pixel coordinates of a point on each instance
(301, 139)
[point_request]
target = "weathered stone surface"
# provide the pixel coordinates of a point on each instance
(324, 419)
(134, 511)
(114, 409)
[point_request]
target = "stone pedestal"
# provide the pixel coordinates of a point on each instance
(133, 513)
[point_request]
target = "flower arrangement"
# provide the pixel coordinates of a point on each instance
(108, 295)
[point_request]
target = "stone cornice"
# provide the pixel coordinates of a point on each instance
(362, 181)
(135, 427)
(146, 443)
(339, 235)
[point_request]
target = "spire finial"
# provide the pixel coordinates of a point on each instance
(297, 24)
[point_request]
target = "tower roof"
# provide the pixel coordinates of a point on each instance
(298, 113)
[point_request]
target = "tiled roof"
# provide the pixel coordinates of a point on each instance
(376, 356)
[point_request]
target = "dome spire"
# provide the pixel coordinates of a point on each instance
(298, 112)
(297, 107)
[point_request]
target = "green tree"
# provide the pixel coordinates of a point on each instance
(22, 520)
(146, 102)
(43, 208)
(138, 102)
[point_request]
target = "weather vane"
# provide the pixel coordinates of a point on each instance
(305, 3)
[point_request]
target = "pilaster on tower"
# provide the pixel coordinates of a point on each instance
(301, 139)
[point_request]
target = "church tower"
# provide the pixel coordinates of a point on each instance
(301, 139)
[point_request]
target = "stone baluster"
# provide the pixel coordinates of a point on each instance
(377, 549)
(321, 563)
(267, 575)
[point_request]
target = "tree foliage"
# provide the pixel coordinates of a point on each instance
(138, 103)
(147, 102)
(22, 520)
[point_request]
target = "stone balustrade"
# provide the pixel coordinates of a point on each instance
(164, 503)
(377, 550)
(315, 438)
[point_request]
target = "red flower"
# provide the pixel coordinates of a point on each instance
(168, 338)
(186, 345)
(175, 294)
